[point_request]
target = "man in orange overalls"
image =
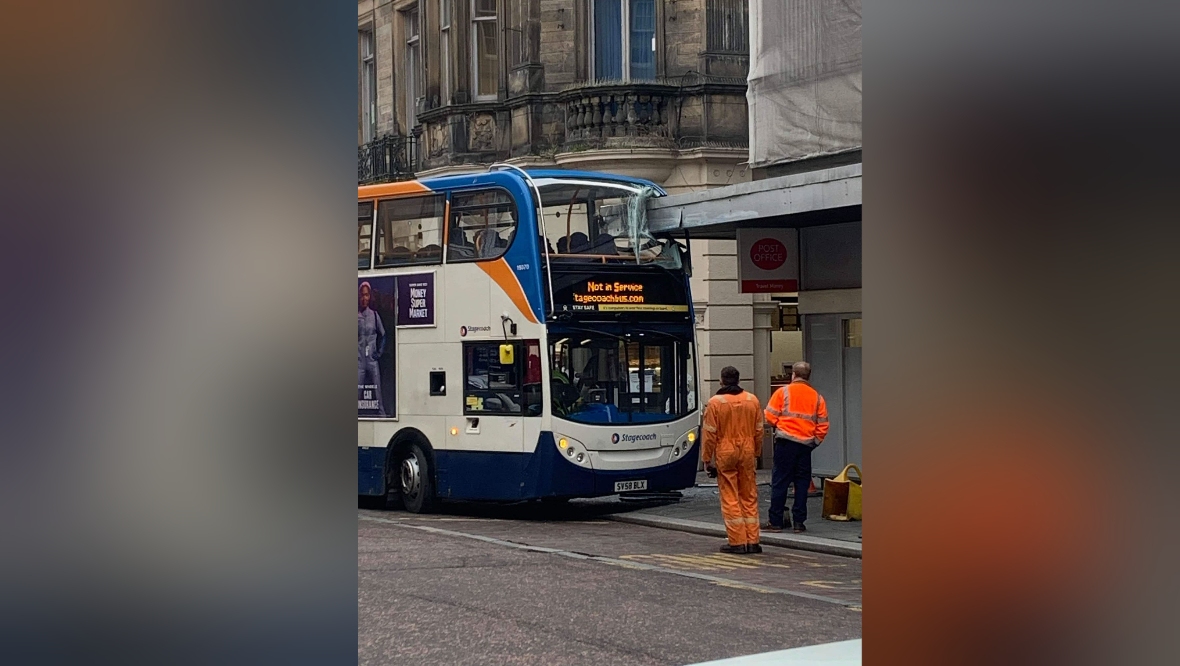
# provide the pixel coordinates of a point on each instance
(731, 443)
(799, 415)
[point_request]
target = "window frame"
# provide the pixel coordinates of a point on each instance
(368, 63)
(413, 63)
(375, 261)
(453, 212)
(475, 21)
(519, 365)
(683, 391)
(714, 18)
(445, 12)
(625, 28)
(372, 220)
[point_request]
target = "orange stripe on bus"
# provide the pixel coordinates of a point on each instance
(502, 274)
(391, 189)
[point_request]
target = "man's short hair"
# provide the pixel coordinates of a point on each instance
(730, 376)
(802, 370)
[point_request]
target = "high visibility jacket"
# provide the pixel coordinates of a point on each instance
(732, 430)
(798, 413)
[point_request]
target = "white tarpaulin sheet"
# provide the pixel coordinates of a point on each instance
(804, 85)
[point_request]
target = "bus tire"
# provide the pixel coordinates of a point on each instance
(415, 478)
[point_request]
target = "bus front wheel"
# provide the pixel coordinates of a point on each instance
(416, 480)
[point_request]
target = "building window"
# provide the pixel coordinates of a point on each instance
(364, 232)
(368, 87)
(409, 230)
(485, 53)
(493, 386)
(444, 46)
(727, 24)
(413, 68)
(483, 224)
(624, 40)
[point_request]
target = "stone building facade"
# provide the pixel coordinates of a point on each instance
(648, 88)
(652, 88)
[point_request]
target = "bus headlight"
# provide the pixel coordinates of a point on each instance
(675, 452)
(574, 450)
(692, 436)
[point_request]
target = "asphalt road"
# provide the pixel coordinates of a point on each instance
(526, 585)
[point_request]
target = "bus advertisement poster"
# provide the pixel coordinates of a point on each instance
(415, 299)
(375, 324)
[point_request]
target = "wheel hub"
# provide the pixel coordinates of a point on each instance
(411, 477)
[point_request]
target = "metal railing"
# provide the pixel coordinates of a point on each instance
(386, 159)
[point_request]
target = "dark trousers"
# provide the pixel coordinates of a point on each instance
(792, 464)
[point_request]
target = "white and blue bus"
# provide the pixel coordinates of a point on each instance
(520, 336)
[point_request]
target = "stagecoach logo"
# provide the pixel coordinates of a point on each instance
(464, 330)
(628, 439)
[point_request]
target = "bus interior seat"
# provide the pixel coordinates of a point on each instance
(429, 252)
(396, 255)
(604, 244)
(579, 243)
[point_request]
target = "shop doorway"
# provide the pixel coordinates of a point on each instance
(832, 345)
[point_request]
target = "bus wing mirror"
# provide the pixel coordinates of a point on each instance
(506, 356)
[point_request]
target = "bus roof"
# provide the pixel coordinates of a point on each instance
(427, 184)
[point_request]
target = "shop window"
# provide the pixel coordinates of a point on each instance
(852, 334)
(788, 317)
(409, 230)
(364, 232)
(483, 224)
(492, 386)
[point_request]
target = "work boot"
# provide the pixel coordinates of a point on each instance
(734, 550)
(798, 527)
(767, 527)
(752, 548)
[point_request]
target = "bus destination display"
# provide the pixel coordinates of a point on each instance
(624, 293)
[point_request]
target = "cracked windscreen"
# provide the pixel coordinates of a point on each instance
(588, 221)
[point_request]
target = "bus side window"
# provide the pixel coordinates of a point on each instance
(409, 230)
(482, 225)
(364, 232)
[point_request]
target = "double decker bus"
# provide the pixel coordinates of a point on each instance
(521, 336)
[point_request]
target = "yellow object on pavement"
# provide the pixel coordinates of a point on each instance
(842, 496)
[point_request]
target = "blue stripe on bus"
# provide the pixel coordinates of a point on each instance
(481, 475)
(371, 465)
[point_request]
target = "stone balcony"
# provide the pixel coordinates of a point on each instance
(622, 115)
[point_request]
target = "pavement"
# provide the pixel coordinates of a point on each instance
(699, 511)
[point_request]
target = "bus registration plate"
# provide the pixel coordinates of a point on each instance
(624, 486)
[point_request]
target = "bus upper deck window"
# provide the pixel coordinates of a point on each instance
(482, 225)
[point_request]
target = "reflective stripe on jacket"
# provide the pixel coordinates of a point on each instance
(732, 429)
(798, 414)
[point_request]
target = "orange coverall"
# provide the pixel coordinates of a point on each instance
(732, 437)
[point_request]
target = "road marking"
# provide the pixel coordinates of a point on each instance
(611, 561)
